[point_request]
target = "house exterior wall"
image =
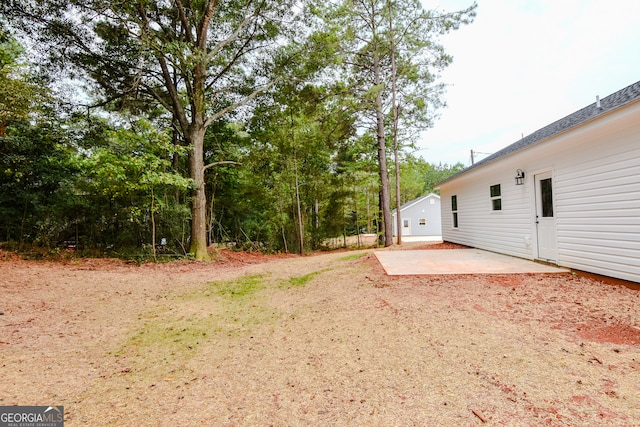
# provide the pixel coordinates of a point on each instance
(595, 169)
(421, 209)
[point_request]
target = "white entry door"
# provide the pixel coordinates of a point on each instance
(545, 218)
(406, 226)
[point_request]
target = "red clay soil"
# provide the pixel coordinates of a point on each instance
(315, 340)
(443, 245)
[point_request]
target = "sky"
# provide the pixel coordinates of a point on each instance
(523, 64)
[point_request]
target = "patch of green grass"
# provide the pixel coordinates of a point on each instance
(300, 281)
(226, 307)
(165, 334)
(353, 256)
(243, 287)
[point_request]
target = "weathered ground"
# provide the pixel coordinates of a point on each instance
(316, 340)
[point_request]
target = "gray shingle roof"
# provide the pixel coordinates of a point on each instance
(612, 102)
(414, 201)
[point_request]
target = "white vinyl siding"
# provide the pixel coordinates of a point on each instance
(427, 209)
(479, 226)
(596, 188)
(598, 202)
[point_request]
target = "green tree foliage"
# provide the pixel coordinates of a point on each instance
(364, 52)
(287, 139)
(111, 192)
(438, 173)
(413, 38)
(355, 190)
(390, 58)
(125, 191)
(199, 60)
(412, 182)
(20, 93)
(10, 49)
(34, 160)
(293, 149)
(419, 177)
(416, 59)
(35, 172)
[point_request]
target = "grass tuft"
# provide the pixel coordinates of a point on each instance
(243, 287)
(300, 281)
(353, 256)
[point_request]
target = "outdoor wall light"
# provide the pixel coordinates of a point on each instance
(519, 177)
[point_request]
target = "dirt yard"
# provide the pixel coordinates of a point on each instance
(320, 340)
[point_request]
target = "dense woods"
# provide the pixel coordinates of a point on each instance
(131, 127)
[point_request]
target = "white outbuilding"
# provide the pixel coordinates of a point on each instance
(568, 194)
(420, 217)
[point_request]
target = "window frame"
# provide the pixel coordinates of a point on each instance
(546, 197)
(495, 194)
(454, 211)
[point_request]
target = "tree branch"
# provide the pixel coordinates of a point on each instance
(233, 37)
(184, 21)
(208, 16)
(224, 162)
(176, 106)
(240, 103)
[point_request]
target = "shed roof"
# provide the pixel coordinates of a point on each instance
(415, 201)
(612, 102)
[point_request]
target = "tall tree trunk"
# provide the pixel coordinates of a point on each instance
(368, 211)
(355, 210)
(211, 219)
(396, 157)
(398, 201)
(382, 161)
(282, 223)
(198, 246)
(197, 130)
(153, 226)
(175, 158)
(380, 221)
(300, 223)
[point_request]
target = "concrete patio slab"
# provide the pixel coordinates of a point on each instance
(457, 261)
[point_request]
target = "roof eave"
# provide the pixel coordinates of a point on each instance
(601, 108)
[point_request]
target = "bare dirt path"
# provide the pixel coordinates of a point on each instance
(316, 340)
